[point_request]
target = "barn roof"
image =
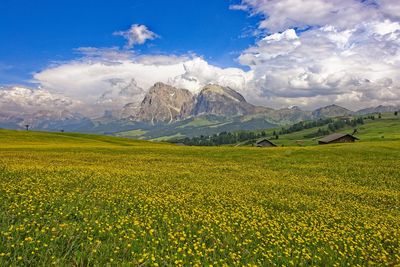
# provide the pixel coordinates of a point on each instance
(335, 136)
(264, 140)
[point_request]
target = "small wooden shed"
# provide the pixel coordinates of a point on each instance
(337, 138)
(265, 143)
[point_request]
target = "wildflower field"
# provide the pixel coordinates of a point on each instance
(70, 199)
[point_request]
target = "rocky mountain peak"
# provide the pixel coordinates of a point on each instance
(213, 89)
(331, 111)
(222, 101)
(165, 103)
(378, 109)
(160, 85)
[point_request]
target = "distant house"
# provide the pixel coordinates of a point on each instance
(337, 138)
(300, 142)
(345, 118)
(264, 143)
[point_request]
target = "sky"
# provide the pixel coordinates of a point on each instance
(96, 55)
(39, 33)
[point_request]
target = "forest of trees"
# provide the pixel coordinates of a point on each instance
(336, 125)
(297, 127)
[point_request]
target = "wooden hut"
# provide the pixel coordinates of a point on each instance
(337, 138)
(265, 143)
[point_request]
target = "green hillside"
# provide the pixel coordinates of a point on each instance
(88, 200)
(385, 128)
(307, 133)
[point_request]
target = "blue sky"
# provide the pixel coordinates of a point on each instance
(36, 33)
(316, 52)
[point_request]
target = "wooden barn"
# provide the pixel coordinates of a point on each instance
(265, 143)
(337, 138)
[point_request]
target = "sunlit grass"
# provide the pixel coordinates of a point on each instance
(70, 199)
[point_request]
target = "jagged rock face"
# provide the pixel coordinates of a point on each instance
(164, 103)
(331, 111)
(222, 101)
(130, 110)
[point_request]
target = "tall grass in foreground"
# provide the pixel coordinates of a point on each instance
(85, 200)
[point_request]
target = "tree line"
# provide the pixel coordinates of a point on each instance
(221, 138)
(300, 126)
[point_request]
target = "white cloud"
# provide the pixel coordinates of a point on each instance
(22, 99)
(327, 64)
(390, 8)
(238, 7)
(198, 73)
(283, 14)
(386, 27)
(137, 34)
(104, 53)
(349, 56)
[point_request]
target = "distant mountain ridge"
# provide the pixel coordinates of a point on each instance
(331, 111)
(170, 110)
(47, 120)
(378, 109)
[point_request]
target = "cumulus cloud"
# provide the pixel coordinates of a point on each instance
(238, 7)
(137, 34)
(349, 53)
(390, 8)
(198, 73)
(284, 14)
(20, 99)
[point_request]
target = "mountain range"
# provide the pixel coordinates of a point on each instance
(168, 112)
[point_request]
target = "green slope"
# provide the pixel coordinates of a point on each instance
(386, 128)
(11, 138)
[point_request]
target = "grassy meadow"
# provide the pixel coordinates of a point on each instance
(72, 199)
